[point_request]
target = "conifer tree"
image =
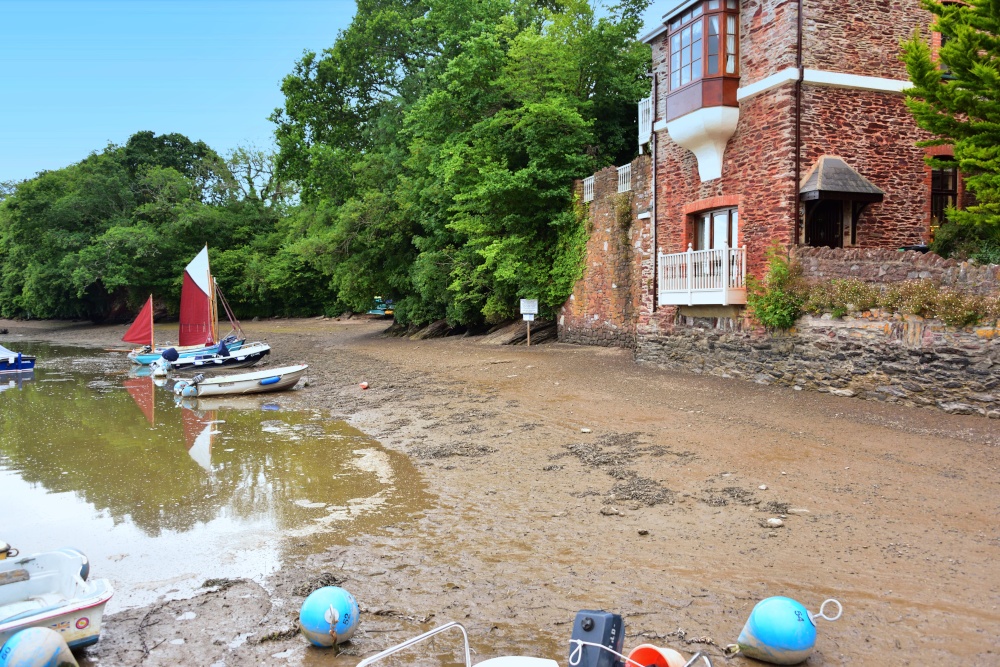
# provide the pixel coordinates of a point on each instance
(956, 97)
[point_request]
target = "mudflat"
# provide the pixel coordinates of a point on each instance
(564, 477)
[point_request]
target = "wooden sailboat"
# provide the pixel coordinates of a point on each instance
(199, 317)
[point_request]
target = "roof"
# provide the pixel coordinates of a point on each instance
(669, 8)
(832, 178)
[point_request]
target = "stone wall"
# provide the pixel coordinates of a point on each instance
(897, 359)
(875, 265)
(603, 307)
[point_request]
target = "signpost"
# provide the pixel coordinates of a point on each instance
(529, 308)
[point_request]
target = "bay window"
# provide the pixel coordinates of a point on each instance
(703, 51)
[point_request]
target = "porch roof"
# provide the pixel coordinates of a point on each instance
(832, 178)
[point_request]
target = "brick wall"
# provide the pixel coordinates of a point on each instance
(894, 359)
(603, 307)
(874, 265)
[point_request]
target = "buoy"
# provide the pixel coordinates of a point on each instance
(37, 647)
(655, 656)
(85, 568)
(364, 385)
(781, 631)
(329, 616)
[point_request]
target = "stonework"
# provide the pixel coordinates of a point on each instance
(602, 309)
(873, 356)
(875, 265)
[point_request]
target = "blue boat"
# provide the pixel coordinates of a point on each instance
(145, 356)
(15, 362)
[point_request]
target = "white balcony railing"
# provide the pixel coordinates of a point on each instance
(625, 178)
(645, 121)
(703, 277)
(588, 189)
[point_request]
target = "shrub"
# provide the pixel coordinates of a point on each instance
(912, 297)
(776, 301)
(957, 309)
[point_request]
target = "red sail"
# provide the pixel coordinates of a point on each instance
(141, 390)
(141, 331)
(197, 314)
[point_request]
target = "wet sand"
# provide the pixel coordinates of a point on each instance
(656, 512)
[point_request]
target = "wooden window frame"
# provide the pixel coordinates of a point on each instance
(701, 13)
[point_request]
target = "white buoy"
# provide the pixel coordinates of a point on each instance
(37, 647)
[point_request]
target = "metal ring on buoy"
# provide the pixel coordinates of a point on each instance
(822, 614)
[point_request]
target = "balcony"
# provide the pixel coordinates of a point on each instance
(625, 178)
(703, 277)
(645, 122)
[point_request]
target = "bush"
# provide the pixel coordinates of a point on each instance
(912, 297)
(777, 300)
(957, 309)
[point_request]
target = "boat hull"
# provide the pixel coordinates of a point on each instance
(238, 359)
(233, 385)
(18, 364)
(146, 358)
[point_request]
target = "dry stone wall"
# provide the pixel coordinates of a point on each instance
(875, 356)
(875, 265)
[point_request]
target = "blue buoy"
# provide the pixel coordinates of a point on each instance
(37, 647)
(329, 616)
(781, 631)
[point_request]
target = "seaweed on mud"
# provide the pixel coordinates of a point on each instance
(775, 507)
(276, 636)
(456, 449)
(642, 489)
(317, 582)
(221, 584)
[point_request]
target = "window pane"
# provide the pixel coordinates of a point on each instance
(675, 62)
(734, 234)
(696, 31)
(704, 228)
(713, 4)
(732, 4)
(685, 56)
(713, 45)
(730, 44)
(696, 70)
(686, 36)
(696, 11)
(675, 79)
(675, 43)
(720, 229)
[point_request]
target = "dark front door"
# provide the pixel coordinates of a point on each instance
(825, 225)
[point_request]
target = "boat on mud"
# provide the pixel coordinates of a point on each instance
(15, 362)
(50, 590)
(218, 358)
(199, 318)
(255, 382)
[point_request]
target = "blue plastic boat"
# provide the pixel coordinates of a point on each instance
(15, 362)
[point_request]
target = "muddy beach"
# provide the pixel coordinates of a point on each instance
(562, 477)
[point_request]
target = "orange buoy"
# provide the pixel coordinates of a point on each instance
(655, 656)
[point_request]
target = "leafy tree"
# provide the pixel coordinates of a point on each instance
(956, 97)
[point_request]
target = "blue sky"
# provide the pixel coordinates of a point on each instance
(78, 74)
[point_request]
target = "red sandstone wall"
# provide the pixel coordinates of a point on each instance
(603, 307)
(876, 135)
(860, 36)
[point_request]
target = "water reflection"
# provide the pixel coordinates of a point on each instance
(15, 380)
(117, 466)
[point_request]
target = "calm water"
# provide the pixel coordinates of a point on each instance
(162, 495)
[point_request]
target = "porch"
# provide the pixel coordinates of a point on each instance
(703, 277)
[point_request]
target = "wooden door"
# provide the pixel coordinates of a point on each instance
(825, 225)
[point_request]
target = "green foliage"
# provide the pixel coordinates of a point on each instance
(776, 300)
(961, 109)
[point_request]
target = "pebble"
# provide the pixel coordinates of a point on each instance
(643, 531)
(775, 523)
(762, 487)
(608, 510)
(585, 430)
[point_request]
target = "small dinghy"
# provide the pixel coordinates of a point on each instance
(50, 590)
(256, 382)
(15, 362)
(221, 357)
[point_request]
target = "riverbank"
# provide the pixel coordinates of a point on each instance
(568, 477)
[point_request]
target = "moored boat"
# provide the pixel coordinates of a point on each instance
(15, 362)
(247, 355)
(255, 382)
(48, 590)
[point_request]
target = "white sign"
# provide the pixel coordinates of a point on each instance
(529, 306)
(528, 317)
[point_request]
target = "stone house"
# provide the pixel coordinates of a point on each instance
(781, 121)
(768, 121)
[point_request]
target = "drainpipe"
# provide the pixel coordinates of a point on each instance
(798, 125)
(652, 210)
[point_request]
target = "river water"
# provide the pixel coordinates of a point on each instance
(163, 494)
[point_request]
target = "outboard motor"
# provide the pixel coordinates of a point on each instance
(597, 627)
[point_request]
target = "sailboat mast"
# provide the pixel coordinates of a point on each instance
(152, 336)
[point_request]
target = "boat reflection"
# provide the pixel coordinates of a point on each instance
(15, 380)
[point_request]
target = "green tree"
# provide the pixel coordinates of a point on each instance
(956, 97)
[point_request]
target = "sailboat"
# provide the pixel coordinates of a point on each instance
(199, 318)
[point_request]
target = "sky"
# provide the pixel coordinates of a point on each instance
(76, 75)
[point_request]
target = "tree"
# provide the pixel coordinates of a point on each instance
(956, 97)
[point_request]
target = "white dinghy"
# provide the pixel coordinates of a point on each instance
(257, 382)
(48, 590)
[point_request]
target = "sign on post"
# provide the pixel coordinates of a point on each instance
(529, 308)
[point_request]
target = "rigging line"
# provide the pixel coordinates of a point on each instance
(235, 323)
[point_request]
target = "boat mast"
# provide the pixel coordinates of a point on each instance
(152, 336)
